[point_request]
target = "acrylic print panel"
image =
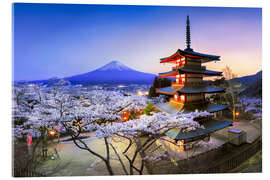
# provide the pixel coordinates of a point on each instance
(136, 90)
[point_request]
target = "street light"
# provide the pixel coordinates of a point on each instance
(52, 132)
(237, 115)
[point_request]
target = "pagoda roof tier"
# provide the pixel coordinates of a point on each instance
(210, 126)
(169, 74)
(190, 90)
(199, 71)
(191, 54)
(171, 58)
(200, 89)
(170, 108)
(190, 71)
(167, 90)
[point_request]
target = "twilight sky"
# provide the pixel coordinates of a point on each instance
(63, 40)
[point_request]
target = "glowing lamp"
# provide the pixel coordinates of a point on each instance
(176, 97)
(52, 132)
(125, 116)
(140, 111)
(180, 145)
(29, 139)
(237, 115)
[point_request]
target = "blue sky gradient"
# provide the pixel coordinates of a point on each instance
(66, 39)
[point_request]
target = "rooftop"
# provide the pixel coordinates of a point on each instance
(190, 71)
(188, 89)
(210, 126)
(170, 108)
(191, 54)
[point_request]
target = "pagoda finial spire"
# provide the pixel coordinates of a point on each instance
(188, 41)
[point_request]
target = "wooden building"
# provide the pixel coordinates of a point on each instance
(188, 90)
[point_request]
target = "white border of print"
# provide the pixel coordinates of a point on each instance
(6, 70)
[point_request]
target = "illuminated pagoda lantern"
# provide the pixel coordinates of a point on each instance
(188, 91)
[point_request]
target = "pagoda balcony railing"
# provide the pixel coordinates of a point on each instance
(179, 84)
(188, 101)
(190, 67)
(176, 67)
(188, 83)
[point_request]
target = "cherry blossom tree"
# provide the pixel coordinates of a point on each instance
(232, 89)
(99, 111)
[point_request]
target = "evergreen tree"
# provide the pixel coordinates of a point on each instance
(152, 92)
(149, 108)
(158, 83)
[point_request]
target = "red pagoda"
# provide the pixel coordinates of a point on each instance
(188, 90)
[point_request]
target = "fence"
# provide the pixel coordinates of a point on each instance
(219, 160)
(21, 172)
(236, 159)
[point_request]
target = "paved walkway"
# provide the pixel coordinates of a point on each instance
(253, 129)
(77, 162)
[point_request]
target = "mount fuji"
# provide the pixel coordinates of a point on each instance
(113, 72)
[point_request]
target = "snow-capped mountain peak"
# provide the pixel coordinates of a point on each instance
(113, 72)
(114, 65)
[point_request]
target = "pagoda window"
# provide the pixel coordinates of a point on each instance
(180, 62)
(182, 98)
(183, 78)
(176, 97)
(183, 60)
(177, 79)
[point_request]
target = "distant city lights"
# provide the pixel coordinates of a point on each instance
(122, 86)
(142, 93)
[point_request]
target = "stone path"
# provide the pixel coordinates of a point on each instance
(77, 162)
(253, 129)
